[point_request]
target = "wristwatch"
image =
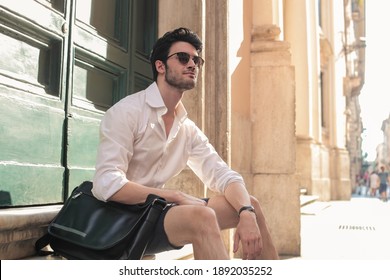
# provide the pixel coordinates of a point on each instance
(246, 208)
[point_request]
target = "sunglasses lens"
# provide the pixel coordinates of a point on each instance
(183, 57)
(196, 60)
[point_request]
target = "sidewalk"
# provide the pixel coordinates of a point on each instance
(358, 229)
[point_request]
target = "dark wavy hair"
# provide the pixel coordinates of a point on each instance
(162, 46)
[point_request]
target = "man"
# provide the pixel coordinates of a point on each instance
(146, 138)
(384, 178)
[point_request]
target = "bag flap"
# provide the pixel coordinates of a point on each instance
(91, 223)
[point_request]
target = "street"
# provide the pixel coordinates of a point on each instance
(358, 229)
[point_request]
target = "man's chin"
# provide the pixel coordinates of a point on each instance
(188, 86)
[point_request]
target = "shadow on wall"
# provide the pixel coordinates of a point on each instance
(5, 198)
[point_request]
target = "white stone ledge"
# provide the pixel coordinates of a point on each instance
(21, 227)
(13, 218)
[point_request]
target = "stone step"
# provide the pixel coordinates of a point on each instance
(310, 204)
(307, 199)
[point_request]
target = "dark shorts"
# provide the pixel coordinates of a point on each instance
(160, 242)
(382, 188)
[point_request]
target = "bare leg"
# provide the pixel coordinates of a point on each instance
(269, 249)
(384, 195)
(196, 225)
(227, 218)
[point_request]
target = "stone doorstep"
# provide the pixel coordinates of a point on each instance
(21, 227)
(27, 217)
(185, 253)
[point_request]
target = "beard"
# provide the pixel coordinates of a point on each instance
(179, 82)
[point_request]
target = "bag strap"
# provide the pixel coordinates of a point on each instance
(144, 236)
(42, 243)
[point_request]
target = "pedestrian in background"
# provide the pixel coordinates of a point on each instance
(384, 178)
(374, 183)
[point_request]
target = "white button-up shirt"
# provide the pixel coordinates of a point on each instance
(134, 147)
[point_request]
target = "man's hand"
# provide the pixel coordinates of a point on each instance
(249, 235)
(186, 199)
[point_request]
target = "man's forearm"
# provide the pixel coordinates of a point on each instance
(133, 193)
(237, 195)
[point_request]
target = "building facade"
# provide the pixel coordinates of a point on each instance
(354, 50)
(271, 98)
(383, 149)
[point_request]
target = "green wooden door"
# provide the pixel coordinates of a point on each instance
(111, 41)
(98, 78)
(32, 99)
(62, 65)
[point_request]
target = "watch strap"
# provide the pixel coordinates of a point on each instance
(246, 208)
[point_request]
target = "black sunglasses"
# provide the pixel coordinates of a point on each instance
(184, 58)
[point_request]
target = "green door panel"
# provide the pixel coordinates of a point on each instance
(24, 184)
(34, 13)
(144, 33)
(97, 84)
(83, 141)
(32, 114)
(103, 19)
(31, 170)
(77, 176)
(30, 133)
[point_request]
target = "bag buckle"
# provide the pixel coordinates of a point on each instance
(76, 195)
(161, 202)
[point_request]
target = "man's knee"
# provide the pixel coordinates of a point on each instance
(195, 218)
(203, 223)
(204, 216)
(189, 224)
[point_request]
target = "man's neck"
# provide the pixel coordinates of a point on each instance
(171, 97)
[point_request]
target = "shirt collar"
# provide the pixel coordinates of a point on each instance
(154, 100)
(181, 112)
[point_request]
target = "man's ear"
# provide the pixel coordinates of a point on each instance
(160, 66)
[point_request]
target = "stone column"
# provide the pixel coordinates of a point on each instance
(174, 14)
(273, 136)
